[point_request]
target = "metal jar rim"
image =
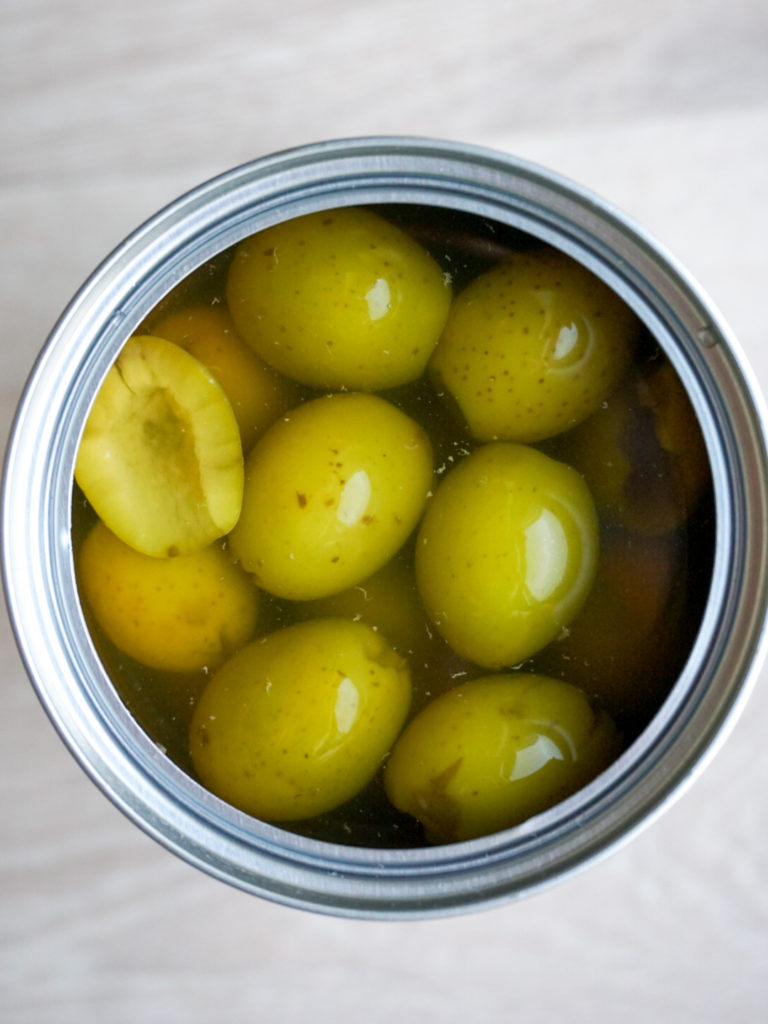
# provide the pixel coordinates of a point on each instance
(68, 675)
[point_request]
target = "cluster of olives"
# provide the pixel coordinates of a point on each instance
(360, 507)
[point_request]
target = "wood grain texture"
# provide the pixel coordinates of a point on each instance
(107, 112)
(122, 87)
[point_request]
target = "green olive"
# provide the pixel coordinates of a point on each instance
(332, 490)
(532, 347)
(506, 553)
(179, 614)
(339, 299)
(299, 721)
(493, 752)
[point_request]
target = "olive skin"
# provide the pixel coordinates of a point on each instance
(299, 721)
(339, 299)
(180, 614)
(491, 753)
(506, 553)
(332, 491)
(532, 347)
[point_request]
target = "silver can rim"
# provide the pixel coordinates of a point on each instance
(72, 684)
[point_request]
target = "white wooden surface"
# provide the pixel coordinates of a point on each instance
(109, 111)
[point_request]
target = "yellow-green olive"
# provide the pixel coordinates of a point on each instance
(532, 347)
(332, 491)
(491, 753)
(339, 299)
(506, 553)
(299, 721)
(179, 614)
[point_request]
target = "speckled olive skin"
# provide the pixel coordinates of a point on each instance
(179, 614)
(532, 347)
(490, 753)
(332, 491)
(506, 553)
(160, 459)
(299, 721)
(339, 299)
